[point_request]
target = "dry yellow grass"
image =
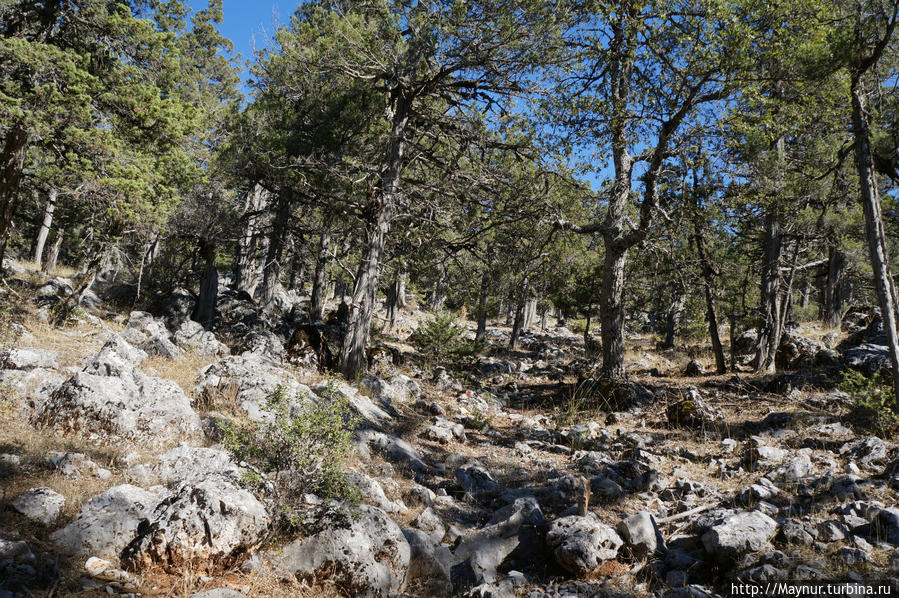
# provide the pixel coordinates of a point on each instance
(183, 370)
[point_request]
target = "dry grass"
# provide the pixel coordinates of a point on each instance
(72, 345)
(183, 370)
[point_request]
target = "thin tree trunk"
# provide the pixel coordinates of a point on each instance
(833, 288)
(401, 286)
(517, 325)
(708, 281)
(53, 257)
(481, 334)
(874, 231)
(204, 311)
(13, 159)
(317, 300)
(382, 204)
(38, 256)
(297, 263)
(673, 316)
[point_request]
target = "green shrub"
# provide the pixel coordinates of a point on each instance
(440, 337)
(301, 449)
(873, 401)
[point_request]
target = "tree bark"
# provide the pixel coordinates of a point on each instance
(833, 288)
(381, 208)
(517, 324)
(298, 263)
(707, 283)
(53, 257)
(11, 163)
(611, 313)
(317, 301)
(245, 274)
(673, 316)
(38, 255)
(481, 334)
(769, 304)
(271, 272)
(204, 311)
(874, 231)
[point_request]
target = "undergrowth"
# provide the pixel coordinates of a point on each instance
(873, 401)
(301, 448)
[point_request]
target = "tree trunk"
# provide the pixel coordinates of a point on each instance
(673, 316)
(481, 334)
(874, 231)
(13, 159)
(438, 294)
(401, 286)
(833, 288)
(382, 204)
(769, 304)
(204, 311)
(38, 255)
(612, 312)
(317, 301)
(517, 325)
(53, 257)
(271, 272)
(246, 275)
(711, 316)
(297, 264)
(806, 292)
(530, 313)
(353, 358)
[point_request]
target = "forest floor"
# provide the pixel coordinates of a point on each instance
(692, 451)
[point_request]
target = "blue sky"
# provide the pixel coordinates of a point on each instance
(249, 24)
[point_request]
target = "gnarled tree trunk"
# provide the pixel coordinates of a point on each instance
(382, 205)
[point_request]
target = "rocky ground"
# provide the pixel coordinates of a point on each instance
(510, 475)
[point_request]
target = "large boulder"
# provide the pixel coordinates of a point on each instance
(107, 522)
(149, 334)
(124, 405)
(115, 358)
(184, 463)
(512, 539)
(192, 337)
(364, 554)
(208, 525)
(738, 533)
(27, 359)
(245, 381)
(581, 544)
(641, 534)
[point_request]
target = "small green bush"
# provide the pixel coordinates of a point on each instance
(301, 450)
(873, 401)
(440, 337)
